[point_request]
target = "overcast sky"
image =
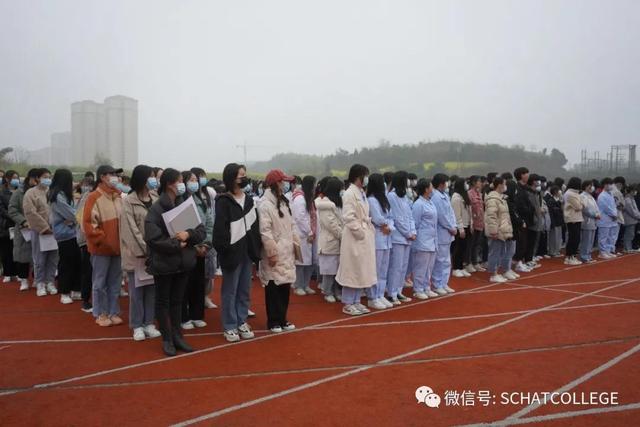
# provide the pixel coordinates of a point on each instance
(312, 76)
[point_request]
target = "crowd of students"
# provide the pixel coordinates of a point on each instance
(370, 236)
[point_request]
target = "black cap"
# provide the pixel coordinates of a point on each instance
(107, 170)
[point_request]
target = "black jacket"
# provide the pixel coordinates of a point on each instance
(555, 210)
(5, 220)
(164, 254)
(248, 242)
(525, 208)
(510, 194)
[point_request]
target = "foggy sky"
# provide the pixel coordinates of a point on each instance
(314, 76)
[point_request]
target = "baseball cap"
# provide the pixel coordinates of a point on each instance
(277, 175)
(107, 170)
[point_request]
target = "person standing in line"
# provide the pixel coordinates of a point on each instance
(590, 216)
(608, 222)
(63, 221)
(86, 272)
(357, 269)
(101, 225)
(22, 251)
(7, 226)
(279, 240)
(306, 219)
(401, 238)
(462, 209)
(425, 216)
(500, 233)
(474, 248)
(36, 211)
(631, 218)
(170, 260)
(573, 218)
(133, 247)
(236, 238)
(329, 234)
(447, 229)
(525, 210)
(618, 190)
(553, 199)
(382, 220)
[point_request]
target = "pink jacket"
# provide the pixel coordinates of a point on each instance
(477, 209)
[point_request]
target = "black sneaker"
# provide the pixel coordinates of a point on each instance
(86, 307)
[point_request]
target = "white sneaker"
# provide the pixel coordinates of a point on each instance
(276, 329)
(403, 298)
(42, 290)
(376, 305)
(510, 275)
(309, 291)
(533, 265)
(6, 279)
(441, 292)
(300, 292)
(421, 295)
(218, 271)
(245, 331)
(457, 273)
(605, 255)
(123, 293)
(449, 290)
(522, 268)
(51, 289)
(199, 323)
(288, 327)
(497, 278)
(395, 301)
(465, 273)
(232, 335)
(65, 299)
(351, 310)
(479, 267)
(151, 332)
(573, 261)
(24, 285)
(386, 302)
(188, 325)
(76, 296)
(408, 284)
(470, 268)
(362, 308)
(208, 303)
(431, 294)
(251, 313)
(330, 298)
(339, 297)
(138, 334)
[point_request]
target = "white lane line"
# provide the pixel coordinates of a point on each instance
(6, 346)
(523, 286)
(260, 338)
(311, 384)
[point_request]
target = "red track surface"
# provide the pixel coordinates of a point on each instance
(551, 329)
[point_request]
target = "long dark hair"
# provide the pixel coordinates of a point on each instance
(198, 172)
(458, 187)
(275, 188)
(169, 176)
(32, 174)
(399, 183)
(62, 182)
(230, 174)
(332, 189)
(377, 189)
(139, 177)
(309, 187)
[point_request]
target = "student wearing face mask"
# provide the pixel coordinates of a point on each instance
(462, 209)
(171, 258)
(357, 269)
(101, 225)
(447, 229)
(306, 219)
(193, 303)
(573, 218)
(411, 185)
(424, 247)
(330, 227)
(608, 223)
(553, 200)
(236, 238)
(474, 247)
(279, 239)
(534, 229)
(590, 215)
(22, 252)
(36, 211)
(618, 192)
(86, 187)
(631, 218)
(499, 230)
(8, 184)
(525, 210)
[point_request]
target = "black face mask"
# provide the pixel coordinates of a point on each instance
(244, 181)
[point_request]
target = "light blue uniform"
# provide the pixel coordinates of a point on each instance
(405, 227)
(383, 247)
(423, 249)
(446, 222)
(608, 223)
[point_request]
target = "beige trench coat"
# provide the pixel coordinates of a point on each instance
(358, 246)
(278, 237)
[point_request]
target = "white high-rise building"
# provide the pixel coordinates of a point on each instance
(106, 131)
(61, 149)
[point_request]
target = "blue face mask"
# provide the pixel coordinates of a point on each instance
(286, 187)
(15, 183)
(126, 189)
(152, 183)
(46, 182)
(193, 187)
(203, 181)
(365, 182)
(120, 186)
(180, 188)
(341, 193)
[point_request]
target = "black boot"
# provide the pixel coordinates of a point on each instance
(168, 348)
(180, 344)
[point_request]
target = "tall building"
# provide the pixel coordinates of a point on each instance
(61, 149)
(107, 131)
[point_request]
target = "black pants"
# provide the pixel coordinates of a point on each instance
(6, 255)
(86, 271)
(459, 249)
(277, 301)
(474, 247)
(542, 245)
(532, 235)
(22, 269)
(169, 295)
(69, 264)
(193, 302)
(522, 242)
(574, 238)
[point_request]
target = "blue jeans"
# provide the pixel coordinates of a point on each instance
(236, 295)
(586, 244)
(106, 279)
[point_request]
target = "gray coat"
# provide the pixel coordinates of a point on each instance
(21, 248)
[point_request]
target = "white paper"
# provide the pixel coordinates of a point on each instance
(48, 243)
(141, 277)
(182, 217)
(26, 234)
(12, 233)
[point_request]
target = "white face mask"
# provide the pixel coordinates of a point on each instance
(466, 186)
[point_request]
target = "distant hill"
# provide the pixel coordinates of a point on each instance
(424, 159)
